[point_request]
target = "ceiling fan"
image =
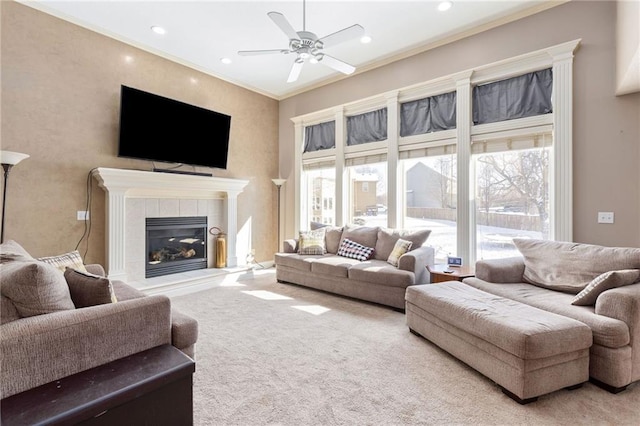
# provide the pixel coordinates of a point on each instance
(306, 45)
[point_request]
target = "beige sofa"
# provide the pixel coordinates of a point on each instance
(45, 337)
(374, 280)
(550, 275)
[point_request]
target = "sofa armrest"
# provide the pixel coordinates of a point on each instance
(416, 261)
(290, 246)
(508, 270)
(623, 303)
(43, 348)
(95, 269)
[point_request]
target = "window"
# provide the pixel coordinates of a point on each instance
(320, 187)
(430, 197)
(363, 206)
(512, 197)
(495, 140)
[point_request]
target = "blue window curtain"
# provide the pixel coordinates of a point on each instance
(320, 136)
(428, 115)
(523, 96)
(367, 127)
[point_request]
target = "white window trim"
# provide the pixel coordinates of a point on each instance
(559, 57)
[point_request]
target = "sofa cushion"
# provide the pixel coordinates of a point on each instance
(124, 291)
(312, 242)
(301, 262)
(11, 250)
(401, 247)
(336, 266)
(365, 235)
(354, 250)
(35, 287)
(332, 238)
(381, 273)
(387, 239)
(88, 289)
(569, 267)
(603, 282)
(61, 261)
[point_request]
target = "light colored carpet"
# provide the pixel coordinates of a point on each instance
(311, 358)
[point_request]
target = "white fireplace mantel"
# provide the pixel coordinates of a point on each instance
(121, 184)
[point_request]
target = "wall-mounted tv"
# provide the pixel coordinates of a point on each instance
(157, 128)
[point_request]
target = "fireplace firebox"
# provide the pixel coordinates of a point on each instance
(175, 244)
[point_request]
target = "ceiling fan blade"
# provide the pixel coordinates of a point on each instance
(336, 64)
(261, 52)
(284, 25)
(343, 35)
(295, 70)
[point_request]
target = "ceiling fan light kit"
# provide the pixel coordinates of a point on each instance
(307, 46)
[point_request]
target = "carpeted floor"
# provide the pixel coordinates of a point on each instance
(280, 354)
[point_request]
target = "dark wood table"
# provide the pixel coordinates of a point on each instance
(459, 273)
(153, 387)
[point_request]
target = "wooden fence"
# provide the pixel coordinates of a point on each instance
(499, 220)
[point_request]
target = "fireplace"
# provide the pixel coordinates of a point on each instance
(175, 244)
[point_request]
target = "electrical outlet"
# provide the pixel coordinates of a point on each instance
(83, 215)
(253, 252)
(605, 217)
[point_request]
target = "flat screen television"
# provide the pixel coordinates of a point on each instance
(157, 128)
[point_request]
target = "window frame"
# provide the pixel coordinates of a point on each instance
(559, 58)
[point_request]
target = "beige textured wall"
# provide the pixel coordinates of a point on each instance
(606, 128)
(60, 104)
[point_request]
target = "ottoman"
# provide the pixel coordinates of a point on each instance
(527, 351)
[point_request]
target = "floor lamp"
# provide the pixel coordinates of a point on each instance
(279, 183)
(8, 160)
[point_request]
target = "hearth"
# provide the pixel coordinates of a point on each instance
(175, 244)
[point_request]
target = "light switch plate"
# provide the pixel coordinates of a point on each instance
(83, 215)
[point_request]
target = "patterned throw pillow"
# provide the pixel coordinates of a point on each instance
(401, 247)
(88, 289)
(603, 282)
(312, 242)
(71, 259)
(353, 250)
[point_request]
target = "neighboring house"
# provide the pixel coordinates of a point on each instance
(429, 188)
(364, 194)
(323, 208)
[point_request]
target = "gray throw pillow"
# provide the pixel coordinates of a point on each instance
(88, 289)
(604, 282)
(364, 235)
(35, 288)
(387, 239)
(570, 267)
(332, 236)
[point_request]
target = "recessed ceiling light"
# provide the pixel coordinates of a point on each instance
(225, 61)
(365, 39)
(158, 30)
(444, 5)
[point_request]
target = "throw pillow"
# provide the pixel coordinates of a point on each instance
(603, 282)
(353, 250)
(387, 239)
(71, 259)
(35, 288)
(570, 267)
(365, 235)
(88, 289)
(332, 236)
(312, 242)
(401, 247)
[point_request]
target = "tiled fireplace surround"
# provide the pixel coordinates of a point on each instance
(134, 195)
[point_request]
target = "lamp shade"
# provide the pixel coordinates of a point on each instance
(12, 158)
(279, 182)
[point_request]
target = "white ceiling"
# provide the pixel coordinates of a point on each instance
(200, 33)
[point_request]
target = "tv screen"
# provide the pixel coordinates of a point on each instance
(156, 128)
